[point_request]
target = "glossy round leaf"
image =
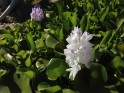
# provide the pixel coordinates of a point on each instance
(56, 68)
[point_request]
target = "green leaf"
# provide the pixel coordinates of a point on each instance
(84, 22)
(28, 62)
(51, 42)
(94, 18)
(60, 35)
(59, 7)
(67, 91)
(16, 47)
(30, 74)
(31, 42)
(120, 22)
(66, 15)
(118, 62)
(38, 27)
(90, 7)
(40, 43)
(39, 65)
(47, 87)
(2, 42)
(98, 74)
(114, 49)
(112, 88)
(22, 54)
(56, 68)
(4, 89)
(59, 47)
(53, 89)
(5, 31)
(43, 86)
(105, 39)
(7, 36)
(103, 13)
(2, 72)
(23, 82)
(74, 19)
(120, 47)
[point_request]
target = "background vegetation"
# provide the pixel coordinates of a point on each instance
(32, 59)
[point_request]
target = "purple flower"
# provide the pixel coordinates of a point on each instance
(37, 13)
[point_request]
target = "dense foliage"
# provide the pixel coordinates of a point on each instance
(32, 56)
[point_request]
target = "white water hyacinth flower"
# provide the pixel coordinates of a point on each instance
(79, 51)
(37, 13)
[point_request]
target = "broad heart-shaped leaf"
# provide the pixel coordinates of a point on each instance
(47, 87)
(51, 42)
(4, 89)
(98, 74)
(23, 82)
(118, 62)
(31, 42)
(56, 68)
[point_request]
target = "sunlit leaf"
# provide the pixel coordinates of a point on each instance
(31, 42)
(51, 42)
(7, 36)
(74, 19)
(28, 61)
